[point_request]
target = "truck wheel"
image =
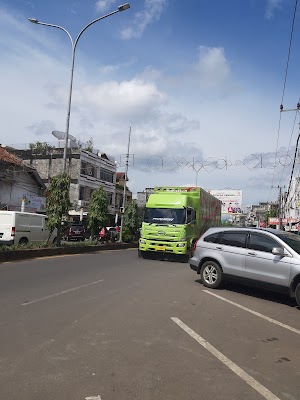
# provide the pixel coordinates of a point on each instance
(297, 294)
(211, 274)
(23, 241)
(143, 254)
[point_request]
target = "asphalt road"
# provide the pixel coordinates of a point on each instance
(112, 326)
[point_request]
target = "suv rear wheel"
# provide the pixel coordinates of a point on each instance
(211, 274)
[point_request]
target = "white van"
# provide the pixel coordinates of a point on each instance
(22, 227)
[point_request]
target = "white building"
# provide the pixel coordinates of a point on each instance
(291, 204)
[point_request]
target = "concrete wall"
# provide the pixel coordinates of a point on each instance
(49, 167)
(14, 184)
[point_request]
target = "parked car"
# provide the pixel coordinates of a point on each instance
(263, 257)
(75, 232)
(18, 227)
(113, 232)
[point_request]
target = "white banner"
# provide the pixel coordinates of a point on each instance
(231, 200)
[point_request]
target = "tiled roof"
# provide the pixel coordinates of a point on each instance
(7, 157)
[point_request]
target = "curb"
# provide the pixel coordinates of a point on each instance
(14, 255)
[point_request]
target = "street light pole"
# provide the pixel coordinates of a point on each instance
(74, 44)
(124, 188)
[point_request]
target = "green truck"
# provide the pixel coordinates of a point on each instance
(175, 217)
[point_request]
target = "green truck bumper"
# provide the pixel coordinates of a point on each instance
(163, 247)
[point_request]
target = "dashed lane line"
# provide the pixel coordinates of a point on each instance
(27, 303)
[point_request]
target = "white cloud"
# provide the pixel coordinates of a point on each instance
(151, 12)
(42, 128)
(272, 5)
(108, 69)
(213, 68)
(133, 100)
(104, 5)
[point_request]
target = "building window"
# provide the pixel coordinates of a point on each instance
(88, 169)
(83, 168)
(109, 196)
(106, 175)
(85, 193)
(81, 193)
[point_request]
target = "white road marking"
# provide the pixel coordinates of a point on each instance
(93, 398)
(262, 390)
(59, 293)
(273, 321)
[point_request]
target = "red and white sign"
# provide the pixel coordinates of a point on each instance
(284, 221)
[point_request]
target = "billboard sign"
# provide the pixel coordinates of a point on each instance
(231, 200)
(284, 221)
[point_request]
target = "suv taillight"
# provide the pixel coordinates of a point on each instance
(70, 230)
(13, 231)
(195, 244)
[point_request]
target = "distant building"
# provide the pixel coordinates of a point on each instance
(291, 205)
(19, 182)
(88, 169)
(256, 213)
(143, 196)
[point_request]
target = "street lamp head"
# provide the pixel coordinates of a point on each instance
(124, 7)
(33, 20)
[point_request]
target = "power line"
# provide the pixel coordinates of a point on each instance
(294, 123)
(284, 86)
(294, 161)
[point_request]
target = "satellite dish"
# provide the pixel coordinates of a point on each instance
(62, 135)
(59, 135)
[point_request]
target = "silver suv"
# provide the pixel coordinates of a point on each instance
(267, 258)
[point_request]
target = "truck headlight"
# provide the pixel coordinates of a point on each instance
(181, 245)
(142, 241)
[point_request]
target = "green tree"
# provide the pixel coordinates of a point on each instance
(131, 218)
(226, 223)
(89, 145)
(58, 203)
(98, 211)
(270, 214)
(40, 147)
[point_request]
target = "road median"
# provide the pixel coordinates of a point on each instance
(24, 254)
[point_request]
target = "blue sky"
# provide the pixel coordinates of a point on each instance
(199, 81)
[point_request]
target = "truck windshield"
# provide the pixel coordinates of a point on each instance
(165, 216)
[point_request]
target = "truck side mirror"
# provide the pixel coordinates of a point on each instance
(193, 216)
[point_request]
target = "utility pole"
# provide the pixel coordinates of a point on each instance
(280, 206)
(124, 189)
